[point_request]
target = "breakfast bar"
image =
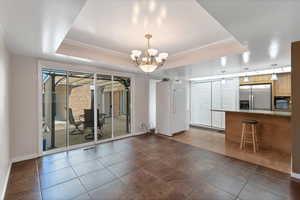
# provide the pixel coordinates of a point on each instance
(273, 128)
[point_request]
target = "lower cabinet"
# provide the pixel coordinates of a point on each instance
(223, 120)
(218, 119)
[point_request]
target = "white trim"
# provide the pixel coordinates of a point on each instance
(40, 108)
(25, 157)
(184, 52)
(85, 45)
(73, 147)
(139, 133)
(6, 181)
(295, 175)
(112, 107)
(277, 70)
(95, 108)
(43, 64)
(82, 68)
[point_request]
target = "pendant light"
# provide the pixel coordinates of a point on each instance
(274, 75)
(223, 81)
(246, 78)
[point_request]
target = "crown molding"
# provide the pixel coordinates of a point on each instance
(229, 46)
(85, 45)
(211, 51)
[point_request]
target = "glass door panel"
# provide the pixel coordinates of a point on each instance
(104, 106)
(121, 106)
(80, 107)
(54, 98)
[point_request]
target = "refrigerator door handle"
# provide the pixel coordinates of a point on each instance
(252, 100)
(250, 103)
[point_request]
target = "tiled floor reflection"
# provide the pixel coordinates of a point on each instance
(146, 167)
(215, 141)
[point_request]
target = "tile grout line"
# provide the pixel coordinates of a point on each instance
(39, 178)
(246, 182)
(78, 177)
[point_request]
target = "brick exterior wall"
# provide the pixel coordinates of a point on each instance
(80, 99)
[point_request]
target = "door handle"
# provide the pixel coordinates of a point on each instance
(252, 101)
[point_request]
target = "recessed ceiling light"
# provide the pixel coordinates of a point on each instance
(246, 57)
(274, 49)
(152, 6)
(223, 61)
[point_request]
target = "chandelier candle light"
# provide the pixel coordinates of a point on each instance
(149, 61)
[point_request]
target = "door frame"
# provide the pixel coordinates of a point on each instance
(42, 64)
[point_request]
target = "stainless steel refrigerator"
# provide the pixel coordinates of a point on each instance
(256, 97)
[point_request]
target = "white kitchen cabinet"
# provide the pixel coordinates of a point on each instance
(216, 90)
(216, 119)
(223, 120)
(201, 104)
(213, 95)
(230, 91)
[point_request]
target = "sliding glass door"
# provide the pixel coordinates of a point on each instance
(121, 106)
(79, 108)
(54, 117)
(104, 106)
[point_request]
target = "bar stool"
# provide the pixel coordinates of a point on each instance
(250, 135)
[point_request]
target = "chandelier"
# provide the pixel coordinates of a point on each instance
(149, 61)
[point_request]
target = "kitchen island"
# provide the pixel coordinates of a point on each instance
(273, 128)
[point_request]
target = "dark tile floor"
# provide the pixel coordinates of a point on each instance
(146, 167)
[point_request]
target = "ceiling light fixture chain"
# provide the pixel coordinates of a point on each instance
(149, 61)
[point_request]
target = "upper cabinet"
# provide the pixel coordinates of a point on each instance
(201, 104)
(230, 94)
(261, 79)
(282, 87)
(216, 94)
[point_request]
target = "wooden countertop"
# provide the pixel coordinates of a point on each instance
(263, 112)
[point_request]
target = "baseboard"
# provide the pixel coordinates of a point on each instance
(140, 133)
(295, 175)
(26, 157)
(6, 181)
(32, 156)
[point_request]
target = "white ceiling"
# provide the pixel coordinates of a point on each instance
(266, 27)
(37, 27)
(120, 25)
(181, 27)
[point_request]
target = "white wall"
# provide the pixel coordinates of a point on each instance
(5, 75)
(24, 110)
(24, 143)
(140, 104)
